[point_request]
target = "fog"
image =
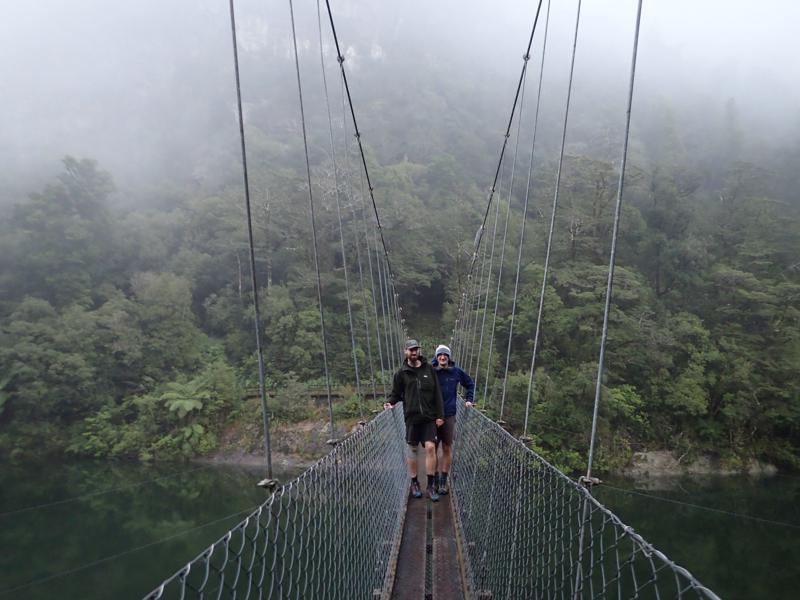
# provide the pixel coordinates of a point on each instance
(147, 88)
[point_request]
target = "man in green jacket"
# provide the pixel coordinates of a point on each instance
(417, 387)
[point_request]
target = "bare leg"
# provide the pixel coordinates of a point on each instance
(412, 461)
(447, 458)
(430, 457)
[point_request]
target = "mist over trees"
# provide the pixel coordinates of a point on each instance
(125, 320)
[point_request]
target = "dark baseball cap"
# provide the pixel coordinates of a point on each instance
(411, 344)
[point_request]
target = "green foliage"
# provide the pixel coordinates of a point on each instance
(178, 419)
(130, 334)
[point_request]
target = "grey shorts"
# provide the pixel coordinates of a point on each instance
(446, 433)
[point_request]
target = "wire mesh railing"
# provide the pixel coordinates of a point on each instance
(330, 533)
(528, 531)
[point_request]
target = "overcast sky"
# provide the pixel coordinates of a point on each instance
(121, 80)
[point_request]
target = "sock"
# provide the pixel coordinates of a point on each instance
(443, 478)
(436, 477)
(430, 480)
(415, 480)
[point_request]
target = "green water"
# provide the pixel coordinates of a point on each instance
(111, 545)
(119, 544)
(737, 557)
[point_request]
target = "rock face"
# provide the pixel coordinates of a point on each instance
(295, 446)
(662, 463)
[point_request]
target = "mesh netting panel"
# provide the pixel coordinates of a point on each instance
(530, 532)
(330, 533)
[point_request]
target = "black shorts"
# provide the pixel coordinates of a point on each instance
(419, 433)
(446, 432)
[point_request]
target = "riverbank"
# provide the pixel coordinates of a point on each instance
(663, 463)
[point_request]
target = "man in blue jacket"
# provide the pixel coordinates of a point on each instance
(449, 376)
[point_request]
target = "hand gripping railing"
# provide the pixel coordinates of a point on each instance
(330, 533)
(520, 521)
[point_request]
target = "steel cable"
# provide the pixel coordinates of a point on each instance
(313, 224)
(486, 304)
(519, 519)
(292, 545)
(526, 58)
(614, 235)
(531, 373)
(339, 218)
(525, 213)
(256, 313)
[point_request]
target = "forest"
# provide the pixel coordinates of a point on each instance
(126, 324)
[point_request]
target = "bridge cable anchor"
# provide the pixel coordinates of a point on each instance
(588, 482)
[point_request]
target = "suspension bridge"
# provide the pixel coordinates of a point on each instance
(513, 525)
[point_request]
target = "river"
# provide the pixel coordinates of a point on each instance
(740, 536)
(115, 530)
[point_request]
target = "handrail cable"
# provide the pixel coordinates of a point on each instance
(525, 58)
(554, 208)
(339, 217)
(525, 212)
(256, 313)
(313, 223)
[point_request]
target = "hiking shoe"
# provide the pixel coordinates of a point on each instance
(444, 489)
(415, 491)
(431, 493)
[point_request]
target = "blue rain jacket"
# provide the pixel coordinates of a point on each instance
(449, 378)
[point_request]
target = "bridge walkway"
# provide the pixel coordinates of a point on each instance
(429, 562)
